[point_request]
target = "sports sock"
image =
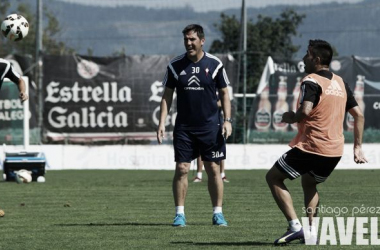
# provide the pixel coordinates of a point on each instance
(180, 210)
(217, 210)
(222, 175)
(295, 225)
(199, 175)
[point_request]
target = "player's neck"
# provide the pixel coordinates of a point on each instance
(321, 67)
(196, 58)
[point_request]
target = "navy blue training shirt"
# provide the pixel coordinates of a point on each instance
(196, 85)
(6, 70)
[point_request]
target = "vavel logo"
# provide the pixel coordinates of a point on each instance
(342, 230)
(194, 81)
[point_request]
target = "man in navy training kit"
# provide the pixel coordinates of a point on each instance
(196, 76)
(198, 178)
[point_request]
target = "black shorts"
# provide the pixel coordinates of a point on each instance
(189, 144)
(296, 162)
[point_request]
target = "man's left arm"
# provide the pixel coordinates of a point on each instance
(17, 79)
(226, 106)
(22, 90)
(358, 134)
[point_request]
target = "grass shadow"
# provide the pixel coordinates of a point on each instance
(245, 243)
(111, 224)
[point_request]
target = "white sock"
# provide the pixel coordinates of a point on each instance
(217, 210)
(180, 210)
(222, 175)
(199, 175)
(295, 225)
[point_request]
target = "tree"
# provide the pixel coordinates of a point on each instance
(4, 5)
(266, 37)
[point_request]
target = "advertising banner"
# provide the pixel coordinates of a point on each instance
(280, 86)
(90, 98)
(12, 113)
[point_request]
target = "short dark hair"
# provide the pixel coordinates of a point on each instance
(196, 28)
(321, 49)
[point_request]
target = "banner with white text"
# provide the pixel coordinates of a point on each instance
(103, 99)
(12, 115)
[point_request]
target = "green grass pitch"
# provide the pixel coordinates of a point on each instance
(125, 209)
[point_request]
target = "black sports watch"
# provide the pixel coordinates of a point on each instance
(228, 120)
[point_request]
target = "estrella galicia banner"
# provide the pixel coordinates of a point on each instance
(91, 98)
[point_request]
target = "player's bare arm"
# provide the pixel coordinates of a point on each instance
(358, 134)
(166, 103)
(22, 90)
(226, 105)
(302, 112)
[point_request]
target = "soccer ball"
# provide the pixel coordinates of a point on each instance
(15, 27)
(23, 176)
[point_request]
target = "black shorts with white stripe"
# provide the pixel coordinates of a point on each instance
(296, 162)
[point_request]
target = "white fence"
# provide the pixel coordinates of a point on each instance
(157, 157)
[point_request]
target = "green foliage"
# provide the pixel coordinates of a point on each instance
(266, 37)
(128, 209)
(230, 31)
(27, 46)
(52, 45)
(4, 5)
(4, 47)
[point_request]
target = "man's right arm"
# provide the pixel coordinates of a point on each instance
(309, 98)
(165, 105)
(17, 79)
(358, 134)
(22, 90)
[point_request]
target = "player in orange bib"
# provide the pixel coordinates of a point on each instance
(318, 147)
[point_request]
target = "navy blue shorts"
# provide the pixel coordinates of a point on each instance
(296, 162)
(189, 144)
